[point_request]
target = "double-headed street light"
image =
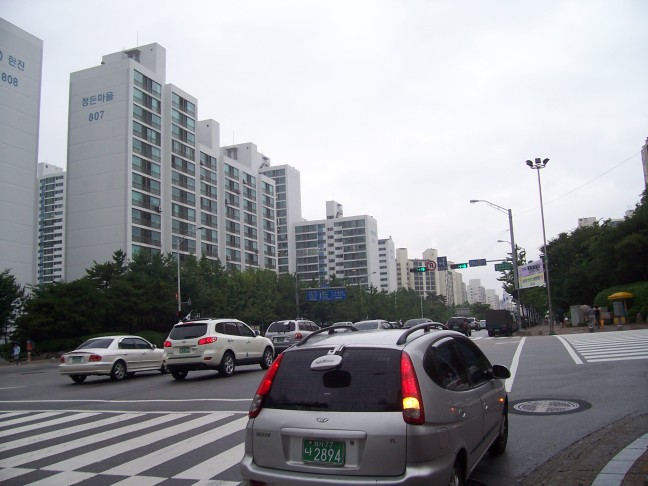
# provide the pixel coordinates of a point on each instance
(513, 251)
(538, 164)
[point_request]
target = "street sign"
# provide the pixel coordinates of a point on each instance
(442, 263)
(326, 294)
(500, 267)
(431, 265)
(477, 263)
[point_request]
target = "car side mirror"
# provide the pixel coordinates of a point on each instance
(257, 333)
(501, 372)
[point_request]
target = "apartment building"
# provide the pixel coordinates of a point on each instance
(50, 258)
(476, 292)
(21, 59)
(288, 194)
(145, 174)
(387, 265)
(344, 248)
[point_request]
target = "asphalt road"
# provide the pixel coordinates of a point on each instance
(563, 394)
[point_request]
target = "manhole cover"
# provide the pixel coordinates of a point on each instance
(548, 406)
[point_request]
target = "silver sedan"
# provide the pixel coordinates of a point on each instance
(114, 356)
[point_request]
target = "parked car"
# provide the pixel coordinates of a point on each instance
(459, 324)
(286, 333)
(372, 325)
(114, 356)
(214, 344)
(417, 406)
(415, 322)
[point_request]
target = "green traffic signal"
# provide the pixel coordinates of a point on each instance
(459, 265)
(418, 269)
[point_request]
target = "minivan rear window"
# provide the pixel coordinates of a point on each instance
(368, 380)
(188, 331)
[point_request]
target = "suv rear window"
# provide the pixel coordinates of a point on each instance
(188, 331)
(368, 380)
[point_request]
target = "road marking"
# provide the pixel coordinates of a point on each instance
(570, 350)
(514, 365)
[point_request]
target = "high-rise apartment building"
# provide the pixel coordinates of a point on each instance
(144, 174)
(50, 258)
(476, 292)
(288, 194)
(21, 58)
(387, 257)
(342, 247)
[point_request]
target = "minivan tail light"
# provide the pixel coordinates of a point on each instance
(207, 340)
(264, 388)
(413, 412)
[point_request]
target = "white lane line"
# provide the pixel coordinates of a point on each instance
(571, 352)
(514, 366)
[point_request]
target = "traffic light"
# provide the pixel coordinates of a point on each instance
(459, 265)
(418, 269)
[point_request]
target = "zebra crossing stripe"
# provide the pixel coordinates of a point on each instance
(65, 479)
(144, 463)
(21, 420)
(100, 454)
(215, 465)
(38, 454)
(48, 423)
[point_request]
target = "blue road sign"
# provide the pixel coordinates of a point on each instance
(442, 263)
(477, 263)
(318, 295)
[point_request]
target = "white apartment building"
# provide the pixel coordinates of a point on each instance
(476, 292)
(288, 194)
(492, 299)
(342, 247)
(144, 174)
(50, 257)
(387, 261)
(21, 59)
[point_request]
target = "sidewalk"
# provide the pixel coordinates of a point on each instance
(616, 455)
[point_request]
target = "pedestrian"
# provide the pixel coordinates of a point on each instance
(591, 317)
(560, 315)
(597, 315)
(16, 353)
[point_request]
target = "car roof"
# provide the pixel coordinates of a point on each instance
(207, 320)
(396, 338)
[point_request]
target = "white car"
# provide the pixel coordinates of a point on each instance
(114, 356)
(214, 344)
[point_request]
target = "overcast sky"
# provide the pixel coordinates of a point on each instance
(403, 110)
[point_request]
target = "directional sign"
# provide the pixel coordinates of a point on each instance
(477, 263)
(332, 293)
(442, 263)
(431, 265)
(500, 267)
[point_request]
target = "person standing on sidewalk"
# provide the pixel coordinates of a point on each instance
(597, 316)
(15, 353)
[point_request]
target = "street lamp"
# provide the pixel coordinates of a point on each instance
(538, 164)
(180, 240)
(513, 252)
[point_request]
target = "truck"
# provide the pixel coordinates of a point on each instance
(500, 322)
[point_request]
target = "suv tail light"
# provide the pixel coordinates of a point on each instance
(413, 412)
(298, 336)
(207, 340)
(167, 344)
(264, 388)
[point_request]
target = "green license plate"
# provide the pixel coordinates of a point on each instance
(184, 349)
(76, 359)
(326, 452)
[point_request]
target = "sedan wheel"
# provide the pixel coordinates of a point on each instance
(179, 375)
(457, 475)
(78, 378)
(118, 372)
(227, 365)
(266, 360)
(500, 443)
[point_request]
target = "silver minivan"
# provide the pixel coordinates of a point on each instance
(416, 406)
(284, 334)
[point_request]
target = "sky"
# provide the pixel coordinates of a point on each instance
(404, 109)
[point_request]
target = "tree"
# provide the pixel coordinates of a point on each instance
(12, 297)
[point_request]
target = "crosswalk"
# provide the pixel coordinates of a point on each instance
(52, 448)
(608, 346)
